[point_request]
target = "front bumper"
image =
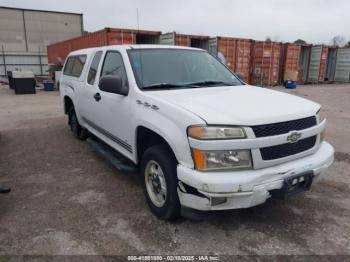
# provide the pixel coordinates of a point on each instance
(247, 188)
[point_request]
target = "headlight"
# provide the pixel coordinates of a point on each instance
(215, 132)
(221, 160)
(320, 116)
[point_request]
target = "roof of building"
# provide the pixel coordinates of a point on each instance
(39, 10)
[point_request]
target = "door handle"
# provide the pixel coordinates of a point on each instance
(97, 97)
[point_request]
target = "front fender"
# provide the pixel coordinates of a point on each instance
(171, 124)
(171, 133)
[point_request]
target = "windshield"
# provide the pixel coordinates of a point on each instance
(178, 68)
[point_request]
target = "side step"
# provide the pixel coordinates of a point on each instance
(112, 156)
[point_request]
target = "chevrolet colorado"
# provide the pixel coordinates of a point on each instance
(201, 137)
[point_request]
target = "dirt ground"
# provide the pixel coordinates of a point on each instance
(65, 199)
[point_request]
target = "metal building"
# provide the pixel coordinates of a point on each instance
(25, 33)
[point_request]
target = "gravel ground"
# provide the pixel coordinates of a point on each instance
(65, 199)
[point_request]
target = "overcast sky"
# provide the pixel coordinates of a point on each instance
(315, 21)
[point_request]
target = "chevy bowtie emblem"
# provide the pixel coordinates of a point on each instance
(294, 137)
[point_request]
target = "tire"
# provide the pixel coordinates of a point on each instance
(77, 130)
(162, 156)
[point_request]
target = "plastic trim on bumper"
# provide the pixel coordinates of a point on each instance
(248, 188)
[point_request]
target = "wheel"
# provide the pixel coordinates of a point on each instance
(158, 167)
(78, 131)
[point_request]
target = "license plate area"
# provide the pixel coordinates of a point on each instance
(293, 185)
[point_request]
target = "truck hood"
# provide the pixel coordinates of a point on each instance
(239, 105)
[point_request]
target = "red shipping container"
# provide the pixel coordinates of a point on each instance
(323, 64)
(108, 36)
(191, 40)
(173, 38)
(296, 59)
(236, 51)
(266, 62)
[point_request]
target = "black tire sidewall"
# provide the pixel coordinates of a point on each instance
(77, 130)
(163, 155)
(74, 124)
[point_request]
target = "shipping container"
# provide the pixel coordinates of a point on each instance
(330, 64)
(234, 52)
(322, 64)
(296, 62)
(173, 38)
(342, 67)
(108, 36)
(315, 62)
(266, 63)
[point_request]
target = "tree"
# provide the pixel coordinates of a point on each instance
(347, 45)
(338, 40)
(300, 41)
(268, 39)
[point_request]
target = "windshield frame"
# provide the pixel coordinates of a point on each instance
(140, 86)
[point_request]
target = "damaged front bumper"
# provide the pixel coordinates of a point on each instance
(243, 189)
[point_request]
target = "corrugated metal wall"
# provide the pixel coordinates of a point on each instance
(342, 67)
(59, 51)
(323, 65)
(292, 56)
(24, 30)
(47, 28)
(315, 62)
(297, 60)
(25, 33)
(174, 38)
(107, 36)
(12, 36)
(266, 61)
(33, 62)
(318, 64)
(330, 64)
(235, 51)
(243, 58)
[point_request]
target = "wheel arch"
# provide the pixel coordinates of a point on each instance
(67, 103)
(146, 138)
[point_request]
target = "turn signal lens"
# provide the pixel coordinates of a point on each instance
(214, 132)
(199, 159)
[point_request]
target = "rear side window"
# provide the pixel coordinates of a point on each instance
(113, 65)
(78, 66)
(93, 68)
(68, 67)
(74, 65)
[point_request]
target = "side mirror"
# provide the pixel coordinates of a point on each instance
(113, 84)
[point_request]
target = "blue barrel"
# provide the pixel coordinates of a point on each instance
(48, 85)
(290, 84)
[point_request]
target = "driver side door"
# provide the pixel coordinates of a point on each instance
(112, 116)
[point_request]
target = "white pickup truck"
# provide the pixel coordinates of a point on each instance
(201, 137)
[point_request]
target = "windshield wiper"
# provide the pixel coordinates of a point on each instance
(188, 85)
(166, 86)
(211, 83)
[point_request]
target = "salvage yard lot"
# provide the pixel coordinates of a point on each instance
(65, 199)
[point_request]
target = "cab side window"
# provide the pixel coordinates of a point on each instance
(74, 65)
(93, 68)
(68, 67)
(113, 65)
(78, 66)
